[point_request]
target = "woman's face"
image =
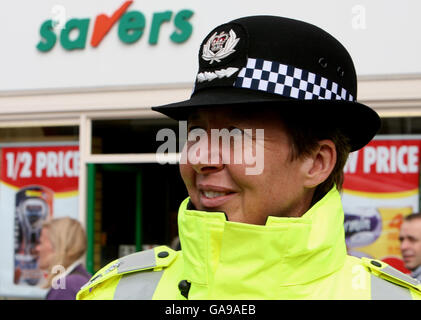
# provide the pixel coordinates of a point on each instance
(278, 190)
(45, 250)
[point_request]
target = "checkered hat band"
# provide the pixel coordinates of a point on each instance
(288, 81)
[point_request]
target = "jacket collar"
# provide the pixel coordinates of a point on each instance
(416, 273)
(284, 252)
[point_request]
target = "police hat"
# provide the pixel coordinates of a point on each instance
(284, 63)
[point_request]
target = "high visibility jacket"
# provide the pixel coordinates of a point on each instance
(288, 258)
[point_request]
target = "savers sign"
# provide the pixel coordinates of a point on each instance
(130, 24)
(381, 187)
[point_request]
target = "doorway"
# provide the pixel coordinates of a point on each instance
(130, 207)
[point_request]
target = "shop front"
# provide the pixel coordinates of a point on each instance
(78, 137)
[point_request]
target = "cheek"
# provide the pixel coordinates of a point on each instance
(46, 254)
(279, 180)
(186, 172)
(49, 250)
(188, 175)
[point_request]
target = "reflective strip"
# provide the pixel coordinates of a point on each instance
(384, 290)
(137, 285)
(400, 275)
(137, 261)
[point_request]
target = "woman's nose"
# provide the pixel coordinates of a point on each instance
(203, 168)
(204, 156)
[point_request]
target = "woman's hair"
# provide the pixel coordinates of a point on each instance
(68, 239)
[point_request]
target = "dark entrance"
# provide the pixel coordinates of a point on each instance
(131, 207)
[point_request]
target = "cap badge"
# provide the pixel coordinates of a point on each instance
(219, 46)
(209, 76)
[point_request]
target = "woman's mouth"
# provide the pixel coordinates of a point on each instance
(214, 194)
(212, 199)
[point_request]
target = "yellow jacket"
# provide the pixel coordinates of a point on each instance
(288, 258)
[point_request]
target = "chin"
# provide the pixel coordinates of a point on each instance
(409, 266)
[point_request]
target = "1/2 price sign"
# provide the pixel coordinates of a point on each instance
(55, 166)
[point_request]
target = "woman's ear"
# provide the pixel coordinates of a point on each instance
(320, 164)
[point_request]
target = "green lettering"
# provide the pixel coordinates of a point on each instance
(48, 36)
(79, 43)
(184, 27)
(158, 19)
(131, 26)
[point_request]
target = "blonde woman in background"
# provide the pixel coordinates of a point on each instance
(61, 249)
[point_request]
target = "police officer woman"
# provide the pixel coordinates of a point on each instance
(288, 89)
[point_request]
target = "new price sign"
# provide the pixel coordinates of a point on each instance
(381, 187)
(131, 26)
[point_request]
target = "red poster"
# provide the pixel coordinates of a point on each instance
(35, 182)
(381, 187)
(56, 167)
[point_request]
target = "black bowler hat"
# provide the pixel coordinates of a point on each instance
(284, 63)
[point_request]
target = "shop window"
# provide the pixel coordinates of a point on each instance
(128, 135)
(131, 207)
(381, 187)
(401, 125)
(39, 134)
(39, 173)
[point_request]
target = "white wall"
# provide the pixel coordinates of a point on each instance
(386, 42)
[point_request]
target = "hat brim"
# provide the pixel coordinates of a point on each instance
(356, 120)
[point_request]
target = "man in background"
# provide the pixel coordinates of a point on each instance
(410, 239)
